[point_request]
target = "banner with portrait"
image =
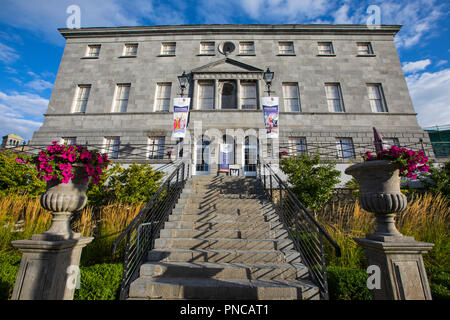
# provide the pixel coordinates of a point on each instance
(270, 110)
(180, 116)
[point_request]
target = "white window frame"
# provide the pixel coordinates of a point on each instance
(118, 97)
(81, 99)
(90, 53)
(288, 51)
(243, 99)
(345, 153)
(331, 106)
(243, 48)
(159, 100)
(205, 48)
(389, 142)
(130, 50)
(69, 140)
(297, 146)
(367, 45)
(327, 52)
(375, 101)
(156, 147)
(111, 147)
(285, 85)
(168, 45)
(200, 98)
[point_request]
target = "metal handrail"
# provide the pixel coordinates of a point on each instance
(307, 234)
(154, 214)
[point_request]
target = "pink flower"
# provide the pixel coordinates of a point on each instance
(72, 157)
(21, 161)
(86, 155)
(95, 179)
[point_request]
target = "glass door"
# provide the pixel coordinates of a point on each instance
(250, 156)
(202, 156)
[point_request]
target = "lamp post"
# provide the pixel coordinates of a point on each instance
(183, 79)
(268, 77)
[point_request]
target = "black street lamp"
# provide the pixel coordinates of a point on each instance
(183, 80)
(268, 77)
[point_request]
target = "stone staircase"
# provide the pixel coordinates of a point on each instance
(223, 241)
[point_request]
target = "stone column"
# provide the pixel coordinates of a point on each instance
(398, 257)
(403, 275)
(49, 268)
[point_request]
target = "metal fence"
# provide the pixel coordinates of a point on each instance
(306, 233)
(140, 234)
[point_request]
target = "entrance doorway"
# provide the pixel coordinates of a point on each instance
(202, 156)
(250, 155)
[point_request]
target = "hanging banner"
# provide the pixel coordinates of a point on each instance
(270, 109)
(180, 116)
(225, 155)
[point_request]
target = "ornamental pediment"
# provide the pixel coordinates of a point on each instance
(227, 65)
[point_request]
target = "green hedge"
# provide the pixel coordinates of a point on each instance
(347, 284)
(9, 266)
(100, 282)
(439, 279)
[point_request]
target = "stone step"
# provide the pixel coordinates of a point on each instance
(224, 244)
(214, 217)
(194, 288)
(224, 211)
(211, 270)
(223, 234)
(239, 226)
(224, 256)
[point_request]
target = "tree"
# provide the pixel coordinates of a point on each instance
(312, 181)
(18, 178)
(137, 183)
(440, 180)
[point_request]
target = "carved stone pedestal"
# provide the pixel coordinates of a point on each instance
(403, 275)
(48, 269)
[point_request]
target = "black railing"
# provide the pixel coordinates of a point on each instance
(306, 233)
(349, 151)
(125, 152)
(141, 233)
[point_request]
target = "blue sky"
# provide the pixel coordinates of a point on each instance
(31, 47)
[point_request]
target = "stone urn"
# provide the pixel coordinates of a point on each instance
(63, 199)
(380, 193)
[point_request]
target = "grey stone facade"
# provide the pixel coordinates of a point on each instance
(306, 67)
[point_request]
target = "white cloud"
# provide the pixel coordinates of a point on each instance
(412, 67)
(7, 54)
(419, 19)
(39, 85)
(431, 97)
(25, 104)
(21, 113)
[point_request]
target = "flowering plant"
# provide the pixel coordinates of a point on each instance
(283, 153)
(409, 161)
(56, 162)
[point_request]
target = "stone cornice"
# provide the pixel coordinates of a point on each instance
(232, 29)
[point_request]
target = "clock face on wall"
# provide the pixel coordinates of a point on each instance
(226, 47)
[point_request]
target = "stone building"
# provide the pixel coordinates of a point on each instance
(12, 141)
(115, 89)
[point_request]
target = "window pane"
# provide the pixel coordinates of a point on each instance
(325, 48)
(206, 95)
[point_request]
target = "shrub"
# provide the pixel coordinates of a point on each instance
(137, 183)
(347, 284)
(440, 178)
(17, 178)
(312, 181)
(9, 265)
(439, 279)
(99, 282)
